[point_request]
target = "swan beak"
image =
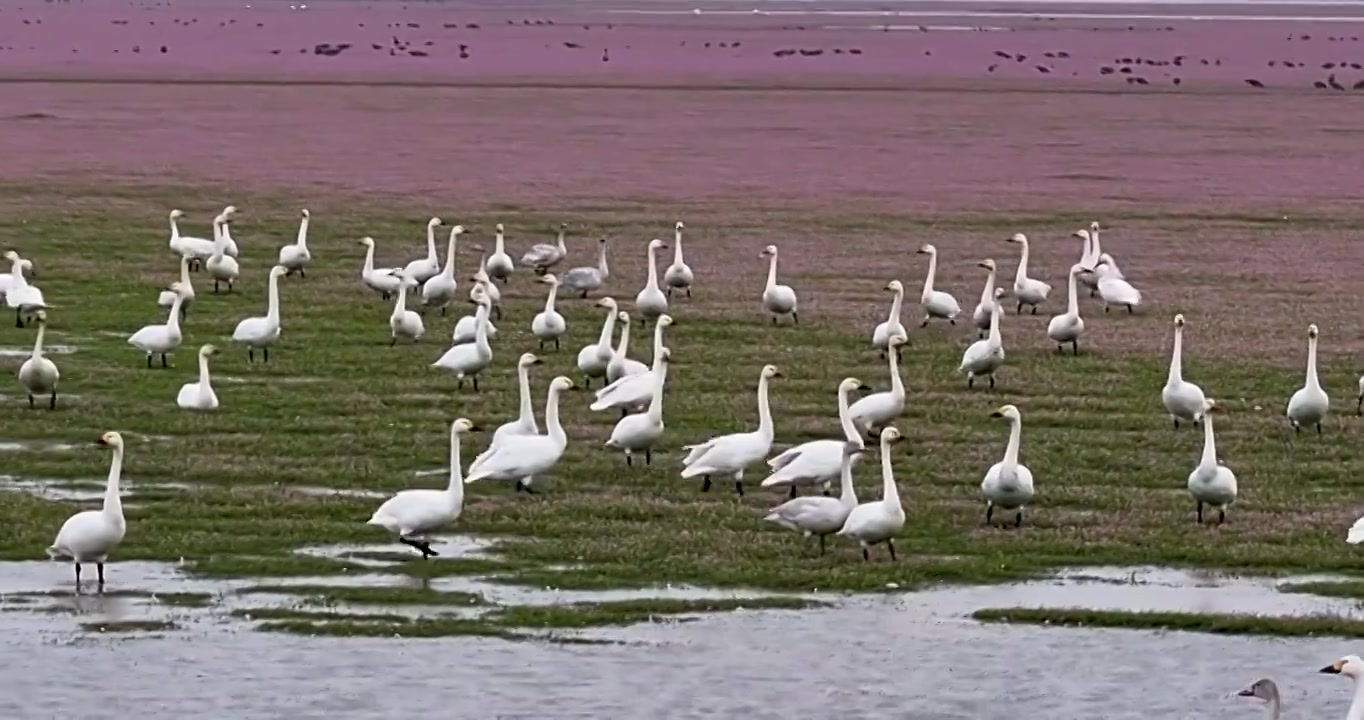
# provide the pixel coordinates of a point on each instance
(864, 387)
(778, 374)
(1332, 669)
(102, 443)
(475, 428)
(987, 267)
(537, 361)
(1248, 692)
(996, 414)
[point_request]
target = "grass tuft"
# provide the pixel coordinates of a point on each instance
(1218, 624)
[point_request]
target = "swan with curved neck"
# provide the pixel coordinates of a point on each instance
(878, 410)
(777, 299)
(197, 248)
(423, 269)
(500, 263)
(161, 339)
(880, 337)
(1183, 400)
(167, 296)
(1067, 327)
(523, 457)
(729, 455)
(296, 257)
(1308, 406)
(413, 514)
(621, 364)
(199, 395)
(818, 461)
(384, 281)
(1211, 484)
(1352, 667)
(937, 304)
(548, 325)
(818, 515)
(593, 359)
(678, 276)
(543, 256)
(89, 537)
(651, 301)
(38, 374)
(1008, 483)
(639, 432)
(881, 520)
(259, 333)
(1266, 690)
(585, 279)
(441, 289)
(1027, 291)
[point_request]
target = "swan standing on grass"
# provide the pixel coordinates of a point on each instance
(1352, 667)
(197, 248)
(229, 245)
(880, 520)
(403, 322)
(651, 302)
(878, 410)
(167, 296)
(18, 266)
(985, 309)
(1266, 690)
(423, 269)
(818, 515)
(524, 424)
(1113, 289)
(296, 257)
(438, 291)
(467, 361)
(500, 263)
(91, 535)
(1089, 257)
(1067, 327)
(523, 457)
(21, 297)
(880, 337)
(585, 279)
(937, 304)
(412, 514)
(986, 356)
(548, 325)
(199, 395)
(161, 339)
(1359, 403)
(593, 359)
(490, 289)
(543, 256)
(621, 364)
(1183, 400)
(777, 299)
(1008, 483)
(381, 280)
(635, 433)
(38, 374)
(632, 392)
(221, 266)
(730, 454)
(817, 461)
(259, 333)
(1209, 483)
(1027, 290)
(678, 276)
(1309, 404)
(466, 329)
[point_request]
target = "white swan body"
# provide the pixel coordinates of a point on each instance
(296, 256)
(984, 357)
(678, 276)
(259, 333)
(937, 304)
(1027, 291)
(1067, 327)
(584, 280)
(651, 301)
(818, 515)
(38, 374)
(593, 359)
(467, 361)
(199, 395)
(18, 266)
(522, 457)
(980, 316)
(500, 263)
(1183, 400)
(167, 297)
(221, 265)
(91, 535)
(639, 432)
(634, 391)
(423, 269)
(881, 520)
(878, 410)
(1308, 406)
(543, 256)
(548, 324)
(817, 461)
(21, 296)
(441, 288)
(621, 364)
(1210, 483)
(1008, 483)
(731, 454)
(777, 299)
(1113, 289)
(880, 337)
(404, 323)
(1352, 667)
(412, 514)
(197, 248)
(160, 339)
(384, 281)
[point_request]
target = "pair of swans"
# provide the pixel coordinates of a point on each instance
(167, 297)
(652, 301)
(936, 303)
(260, 333)
(879, 521)
(678, 276)
(639, 432)
(164, 338)
(384, 281)
(222, 263)
(413, 514)
(729, 455)
(984, 357)
(1067, 327)
(404, 323)
(439, 289)
(1308, 406)
(634, 390)
(777, 299)
(548, 324)
(819, 515)
(1027, 291)
(199, 395)
(594, 359)
(1211, 484)
(1090, 255)
(296, 256)
(1008, 483)
(989, 300)
(543, 256)
(197, 248)
(466, 328)
(469, 359)
(22, 297)
(18, 266)
(89, 536)
(1350, 666)
(523, 457)
(425, 268)
(1183, 400)
(819, 461)
(38, 374)
(586, 279)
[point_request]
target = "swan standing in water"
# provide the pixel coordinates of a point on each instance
(985, 309)
(423, 269)
(593, 359)
(817, 461)
(881, 520)
(221, 266)
(466, 329)
(986, 356)
(467, 361)
(818, 515)
(1008, 483)
(621, 364)
(1183, 400)
(634, 391)
(878, 410)
(543, 256)
(937, 304)
(548, 325)
(586, 279)
(731, 454)
(1113, 289)
(382, 280)
(412, 514)
(438, 291)
(523, 457)
(1309, 404)
(161, 339)
(500, 263)
(38, 374)
(639, 432)
(259, 333)
(1209, 483)
(1352, 667)
(880, 337)
(199, 395)
(296, 257)
(651, 301)
(777, 299)
(1066, 328)
(403, 322)
(197, 248)
(678, 276)
(167, 297)
(91, 535)
(1266, 690)
(1027, 290)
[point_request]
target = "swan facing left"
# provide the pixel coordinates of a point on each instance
(1265, 689)
(89, 536)
(1352, 667)
(412, 514)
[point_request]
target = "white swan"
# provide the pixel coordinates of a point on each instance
(500, 263)
(412, 514)
(731, 454)
(621, 364)
(221, 266)
(466, 329)
(1209, 483)
(7, 279)
(259, 333)
(490, 289)
(91, 535)
(384, 281)
(1352, 667)
(986, 356)
(593, 359)
(777, 299)
(1183, 400)
(199, 395)
(405, 323)
(1089, 258)
(467, 361)
(985, 309)
(523, 457)
(1266, 690)
(937, 304)
(197, 248)
(639, 432)
(22, 297)
(586, 279)
(880, 337)
(678, 276)
(1066, 328)
(1113, 289)
(881, 520)
(1008, 483)
(1027, 290)
(524, 424)
(543, 256)
(38, 374)
(230, 245)
(818, 515)
(439, 290)
(633, 391)
(296, 256)
(160, 339)
(1359, 404)
(1309, 404)
(167, 296)
(548, 325)
(878, 410)
(651, 301)
(817, 461)
(423, 269)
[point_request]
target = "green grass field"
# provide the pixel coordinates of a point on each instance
(337, 407)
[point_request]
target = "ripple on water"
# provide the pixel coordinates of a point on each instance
(15, 352)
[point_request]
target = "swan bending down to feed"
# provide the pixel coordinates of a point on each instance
(38, 374)
(91, 535)
(467, 361)
(986, 356)
(259, 333)
(819, 515)
(1210, 483)
(881, 520)
(439, 290)
(1008, 483)
(412, 514)
(1352, 667)
(523, 457)
(1113, 289)
(295, 257)
(634, 392)
(1266, 690)
(548, 325)
(405, 323)
(593, 359)
(1027, 291)
(199, 395)
(1183, 400)
(543, 256)
(423, 269)
(878, 410)
(639, 432)
(817, 461)
(678, 276)
(937, 304)
(1309, 404)
(621, 363)
(777, 299)
(221, 265)
(161, 339)
(730, 454)
(1067, 327)
(880, 337)
(384, 281)
(586, 279)
(167, 296)
(500, 263)
(989, 297)
(197, 248)
(466, 329)
(651, 301)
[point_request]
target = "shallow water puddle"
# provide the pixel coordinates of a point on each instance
(36, 446)
(267, 379)
(16, 352)
(449, 547)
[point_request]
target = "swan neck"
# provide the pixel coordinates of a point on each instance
(1072, 297)
(845, 419)
(450, 247)
(987, 296)
(656, 401)
(1210, 444)
(523, 380)
(772, 271)
(175, 228)
(624, 345)
(658, 342)
(481, 328)
(1357, 705)
(500, 245)
(601, 260)
(184, 272)
(369, 259)
(552, 425)
(173, 321)
(653, 271)
(608, 328)
(677, 247)
(401, 303)
(897, 386)
(1274, 708)
(1015, 439)
(1022, 273)
(272, 312)
(553, 294)
(996, 340)
(113, 505)
(846, 494)
(38, 342)
(456, 487)
(203, 372)
(219, 240)
(1312, 381)
(764, 410)
(303, 233)
(1177, 359)
(430, 241)
(889, 493)
(932, 272)
(895, 304)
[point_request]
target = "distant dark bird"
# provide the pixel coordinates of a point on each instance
(1319, 85)
(998, 53)
(1043, 69)
(1141, 81)
(377, 46)
(413, 25)
(164, 50)
(1354, 66)
(1062, 54)
(1359, 85)
(736, 44)
(417, 53)
(1331, 80)
(1176, 81)
(274, 52)
(449, 26)
(1271, 63)
(1327, 66)
(811, 53)
(1254, 83)
(1020, 57)
(464, 56)
(855, 51)
(605, 55)
(991, 68)
(472, 26)
(1125, 71)
(572, 45)
(1105, 70)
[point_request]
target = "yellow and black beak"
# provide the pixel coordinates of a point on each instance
(1332, 669)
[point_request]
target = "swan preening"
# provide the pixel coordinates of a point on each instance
(1309, 404)
(413, 514)
(89, 536)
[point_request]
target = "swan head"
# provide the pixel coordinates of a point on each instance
(607, 302)
(548, 279)
(769, 251)
(663, 320)
(12, 256)
(1094, 226)
(1018, 238)
(207, 350)
(177, 288)
(601, 240)
(927, 250)
(528, 359)
(988, 264)
(40, 317)
(229, 211)
(1210, 406)
(771, 371)
(890, 435)
(366, 241)
(1179, 320)
(1082, 234)
(679, 225)
(280, 271)
(1350, 665)
(850, 384)
(895, 286)
(1312, 331)
(999, 292)
(623, 316)
(305, 213)
(657, 244)
(114, 440)
(177, 214)
(1264, 689)
(433, 223)
(562, 383)
(456, 231)
(463, 425)
(1007, 411)
(499, 229)
(563, 225)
